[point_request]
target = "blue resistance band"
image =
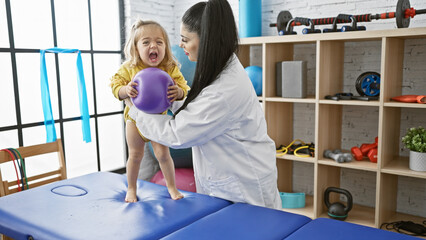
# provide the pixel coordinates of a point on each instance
(45, 96)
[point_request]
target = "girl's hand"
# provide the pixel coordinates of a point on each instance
(130, 90)
(174, 93)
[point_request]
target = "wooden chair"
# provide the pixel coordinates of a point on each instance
(7, 187)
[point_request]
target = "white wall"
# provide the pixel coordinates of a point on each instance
(182, 6)
(359, 124)
(331, 8)
(167, 12)
(160, 11)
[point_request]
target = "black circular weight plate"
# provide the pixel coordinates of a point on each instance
(401, 21)
(283, 18)
(365, 82)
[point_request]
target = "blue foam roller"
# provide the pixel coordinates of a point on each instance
(250, 18)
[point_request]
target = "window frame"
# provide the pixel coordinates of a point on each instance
(61, 120)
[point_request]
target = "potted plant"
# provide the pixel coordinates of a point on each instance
(415, 140)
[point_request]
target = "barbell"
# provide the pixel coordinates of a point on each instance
(403, 13)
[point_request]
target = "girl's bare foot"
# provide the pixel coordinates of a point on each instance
(175, 194)
(131, 196)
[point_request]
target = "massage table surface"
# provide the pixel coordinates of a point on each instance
(326, 229)
(242, 221)
(93, 207)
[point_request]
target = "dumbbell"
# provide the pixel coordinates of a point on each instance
(372, 155)
(338, 157)
(347, 156)
(366, 150)
(356, 152)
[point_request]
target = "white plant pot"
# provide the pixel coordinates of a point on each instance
(417, 161)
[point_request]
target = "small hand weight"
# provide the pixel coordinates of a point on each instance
(337, 157)
(347, 156)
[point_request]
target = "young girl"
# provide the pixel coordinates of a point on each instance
(148, 46)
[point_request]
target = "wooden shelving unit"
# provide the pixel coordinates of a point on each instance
(329, 62)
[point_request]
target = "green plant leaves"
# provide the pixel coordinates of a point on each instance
(415, 139)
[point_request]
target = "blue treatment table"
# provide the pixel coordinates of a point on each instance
(101, 213)
(93, 207)
(242, 221)
(326, 229)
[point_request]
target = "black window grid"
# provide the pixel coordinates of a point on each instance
(61, 120)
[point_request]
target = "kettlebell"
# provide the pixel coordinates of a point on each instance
(337, 210)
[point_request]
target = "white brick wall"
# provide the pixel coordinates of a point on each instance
(331, 8)
(168, 13)
(182, 5)
(359, 123)
(160, 11)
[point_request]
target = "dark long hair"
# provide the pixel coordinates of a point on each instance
(214, 23)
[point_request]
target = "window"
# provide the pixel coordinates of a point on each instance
(95, 27)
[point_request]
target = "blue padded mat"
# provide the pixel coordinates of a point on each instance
(326, 229)
(242, 221)
(93, 207)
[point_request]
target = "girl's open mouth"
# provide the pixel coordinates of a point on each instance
(153, 57)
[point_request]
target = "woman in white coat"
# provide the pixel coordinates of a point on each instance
(221, 119)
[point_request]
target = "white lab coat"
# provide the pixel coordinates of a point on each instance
(233, 156)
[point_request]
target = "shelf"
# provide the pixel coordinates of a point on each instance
(278, 39)
(400, 167)
(404, 105)
(403, 33)
(309, 99)
(362, 215)
(406, 217)
(253, 41)
(297, 159)
(308, 210)
(359, 165)
(359, 215)
(343, 124)
(374, 103)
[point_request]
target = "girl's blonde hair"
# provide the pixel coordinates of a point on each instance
(131, 52)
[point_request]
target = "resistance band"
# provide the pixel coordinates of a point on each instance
(23, 170)
(16, 171)
(284, 149)
(45, 96)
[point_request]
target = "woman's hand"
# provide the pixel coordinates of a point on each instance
(174, 93)
(128, 102)
(130, 90)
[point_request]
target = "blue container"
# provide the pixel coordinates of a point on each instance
(250, 18)
(292, 200)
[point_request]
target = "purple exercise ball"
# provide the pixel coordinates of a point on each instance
(152, 90)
